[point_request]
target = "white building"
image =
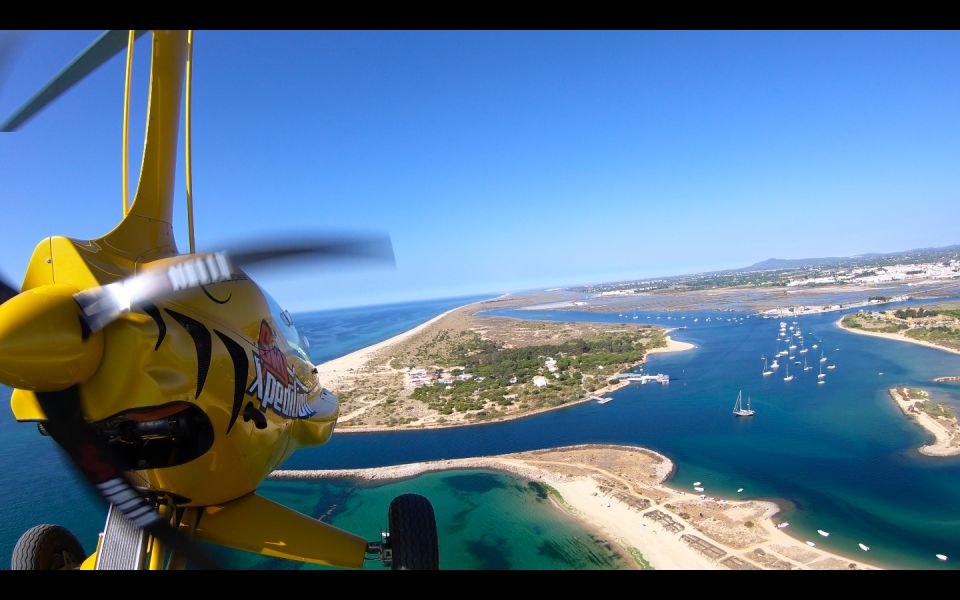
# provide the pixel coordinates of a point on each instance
(540, 381)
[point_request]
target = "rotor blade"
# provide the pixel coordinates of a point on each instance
(7, 291)
(102, 50)
(10, 42)
(373, 248)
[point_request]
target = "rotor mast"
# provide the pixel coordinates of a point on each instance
(146, 233)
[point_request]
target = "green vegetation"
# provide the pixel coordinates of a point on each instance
(878, 298)
(558, 497)
(944, 336)
(935, 409)
(915, 393)
(852, 322)
(581, 365)
(639, 559)
(866, 322)
(914, 313)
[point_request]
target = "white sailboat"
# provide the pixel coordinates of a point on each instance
(738, 407)
(805, 366)
(832, 367)
(766, 371)
(823, 358)
(789, 377)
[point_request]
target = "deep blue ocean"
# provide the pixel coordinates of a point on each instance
(840, 455)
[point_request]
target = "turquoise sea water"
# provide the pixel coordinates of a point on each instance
(840, 453)
(485, 520)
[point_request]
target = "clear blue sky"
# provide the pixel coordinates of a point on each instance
(513, 160)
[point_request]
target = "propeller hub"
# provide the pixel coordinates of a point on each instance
(43, 345)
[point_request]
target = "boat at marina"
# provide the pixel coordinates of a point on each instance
(604, 400)
(831, 367)
(822, 374)
(766, 371)
(739, 410)
(789, 377)
(805, 366)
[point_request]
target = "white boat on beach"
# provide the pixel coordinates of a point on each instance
(811, 544)
(782, 525)
(699, 489)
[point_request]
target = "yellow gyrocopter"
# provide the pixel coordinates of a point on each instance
(172, 381)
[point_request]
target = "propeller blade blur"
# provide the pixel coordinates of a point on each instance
(102, 305)
(377, 248)
(102, 50)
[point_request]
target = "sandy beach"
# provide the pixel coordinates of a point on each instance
(947, 434)
(620, 491)
(672, 346)
(330, 371)
(899, 337)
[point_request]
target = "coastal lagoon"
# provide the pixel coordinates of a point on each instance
(840, 455)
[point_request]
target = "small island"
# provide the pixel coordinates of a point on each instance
(934, 325)
(620, 493)
(462, 369)
(937, 418)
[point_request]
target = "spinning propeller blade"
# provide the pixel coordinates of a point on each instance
(102, 50)
(375, 248)
(102, 305)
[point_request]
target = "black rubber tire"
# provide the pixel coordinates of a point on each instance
(47, 548)
(413, 534)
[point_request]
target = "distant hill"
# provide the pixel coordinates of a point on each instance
(795, 263)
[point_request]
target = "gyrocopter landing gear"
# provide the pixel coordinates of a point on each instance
(47, 548)
(411, 542)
